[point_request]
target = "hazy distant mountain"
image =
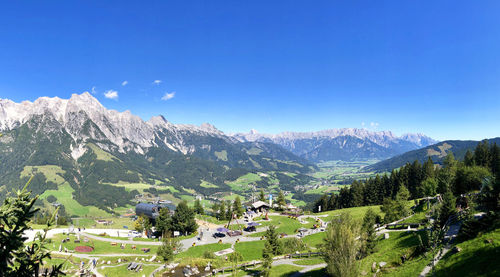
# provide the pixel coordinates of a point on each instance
(436, 152)
(341, 144)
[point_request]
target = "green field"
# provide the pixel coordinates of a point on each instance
(51, 172)
(64, 195)
(101, 154)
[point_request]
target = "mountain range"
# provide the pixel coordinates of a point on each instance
(346, 144)
(92, 151)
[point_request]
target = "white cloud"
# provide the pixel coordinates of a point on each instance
(168, 96)
(111, 94)
(363, 124)
(93, 91)
(157, 82)
(124, 83)
(374, 125)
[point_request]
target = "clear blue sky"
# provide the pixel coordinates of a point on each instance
(410, 66)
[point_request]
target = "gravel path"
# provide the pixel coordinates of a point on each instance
(450, 234)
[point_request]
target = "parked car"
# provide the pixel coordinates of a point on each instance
(134, 234)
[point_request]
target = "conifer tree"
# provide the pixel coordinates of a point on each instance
(262, 197)
(198, 209)
(281, 200)
(237, 207)
(16, 258)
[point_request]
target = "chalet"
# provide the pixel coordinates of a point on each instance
(259, 206)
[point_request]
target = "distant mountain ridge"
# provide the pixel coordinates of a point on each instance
(90, 147)
(436, 152)
(341, 144)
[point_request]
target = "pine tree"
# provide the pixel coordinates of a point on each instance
(198, 209)
(447, 207)
(495, 160)
(237, 207)
(281, 200)
(164, 222)
(229, 211)
(481, 154)
(16, 257)
(183, 219)
(262, 197)
(469, 158)
(272, 238)
(168, 248)
(267, 260)
(368, 232)
(222, 211)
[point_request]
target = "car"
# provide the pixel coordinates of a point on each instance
(219, 235)
(134, 234)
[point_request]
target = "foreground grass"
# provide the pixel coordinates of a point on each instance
(478, 257)
(391, 250)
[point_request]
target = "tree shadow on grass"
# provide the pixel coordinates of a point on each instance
(482, 262)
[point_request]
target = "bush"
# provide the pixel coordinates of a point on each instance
(51, 198)
(208, 255)
(293, 245)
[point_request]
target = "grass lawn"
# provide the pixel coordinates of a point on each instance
(314, 240)
(100, 247)
(122, 270)
(477, 257)
(311, 261)
(357, 212)
(284, 270)
(283, 224)
(250, 250)
(197, 251)
(390, 251)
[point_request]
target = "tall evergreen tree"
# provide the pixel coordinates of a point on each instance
(237, 207)
(198, 209)
(481, 154)
(272, 239)
(281, 200)
(495, 160)
(262, 197)
(183, 219)
(469, 158)
(368, 232)
(164, 222)
(447, 207)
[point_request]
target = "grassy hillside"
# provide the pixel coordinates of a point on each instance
(477, 257)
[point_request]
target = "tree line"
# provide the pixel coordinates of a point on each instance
(420, 180)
